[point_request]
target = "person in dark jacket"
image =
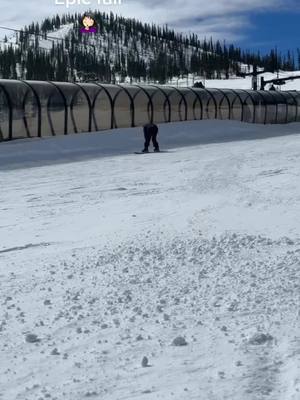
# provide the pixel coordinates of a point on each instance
(150, 132)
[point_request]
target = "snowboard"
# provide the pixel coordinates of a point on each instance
(151, 152)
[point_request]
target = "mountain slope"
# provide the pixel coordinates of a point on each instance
(56, 50)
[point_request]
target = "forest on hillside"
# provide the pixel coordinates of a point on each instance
(123, 48)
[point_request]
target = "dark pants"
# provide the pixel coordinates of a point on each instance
(151, 133)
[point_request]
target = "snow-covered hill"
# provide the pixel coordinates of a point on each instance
(122, 50)
(107, 257)
(56, 37)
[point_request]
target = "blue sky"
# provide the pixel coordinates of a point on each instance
(251, 24)
(273, 28)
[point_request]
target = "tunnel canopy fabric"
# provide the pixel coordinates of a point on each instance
(42, 108)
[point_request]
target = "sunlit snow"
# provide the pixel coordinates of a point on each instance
(160, 276)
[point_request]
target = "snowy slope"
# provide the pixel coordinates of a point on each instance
(108, 256)
(105, 43)
(56, 36)
(240, 83)
(246, 83)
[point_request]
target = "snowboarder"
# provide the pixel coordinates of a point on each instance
(150, 132)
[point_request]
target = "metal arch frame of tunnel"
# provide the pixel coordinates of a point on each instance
(38, 96)
(221, 101)
(65, 107)
(197, 98)
(291, 93)
(39, 122)
(261, 94)
(287, 104)
(271, 92)
(93, 106)
(166, 100)
(265, 105)
(215, 103)
(10, 112)
(89, 104)
(174, 89)
(248, 93)
(179, 105)
(112, 101)
(111, 104)
(273, 95)
(24, 116)
(132, 110)
(241, 102)
(150, 101)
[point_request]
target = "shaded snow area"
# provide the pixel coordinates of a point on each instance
(160, 276)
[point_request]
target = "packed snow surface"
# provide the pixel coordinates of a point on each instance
(160, 276)
(241, 83)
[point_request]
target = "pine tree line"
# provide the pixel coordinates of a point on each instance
(125, 47)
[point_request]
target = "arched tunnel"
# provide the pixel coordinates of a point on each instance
(38, 108)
